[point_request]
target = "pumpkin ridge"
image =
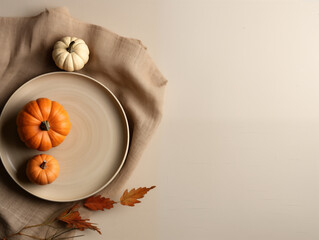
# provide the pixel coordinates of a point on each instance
(32, 172)
(45, 142)
(51, 133)
(62, 57)
(77, 44)
(35, 172)
(79, 56)
(61, 128)
(50, 167)
(39, 110)
(32, 117)
(40, 140)
(67, 40)
(37, 157)
(84, 57)
(66, 62)
(57, 44)
(60, 110)
(40, 176)
(57, 131)
(27, 109)
(42, 157)
(29, 137)
(42, 107)
(46, 158)
(59, 54)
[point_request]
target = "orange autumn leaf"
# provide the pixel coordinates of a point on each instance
(73, 220)
(129, 198)
(98, 203)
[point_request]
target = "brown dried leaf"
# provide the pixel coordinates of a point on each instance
(65, 213)
(73, 220)
(129, 198)
(98, 203)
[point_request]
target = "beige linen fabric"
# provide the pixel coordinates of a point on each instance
(119, 63)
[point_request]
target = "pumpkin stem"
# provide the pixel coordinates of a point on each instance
(43, 164)
(45, 126)
(70, 49)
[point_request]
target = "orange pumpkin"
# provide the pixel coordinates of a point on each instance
(42, 169)
(43, 124)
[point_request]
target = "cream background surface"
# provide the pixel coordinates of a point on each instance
(236, 155)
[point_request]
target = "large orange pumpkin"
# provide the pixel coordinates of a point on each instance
(43, 124)
(42, 169)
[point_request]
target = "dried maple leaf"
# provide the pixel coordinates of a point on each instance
(73, 220)
(129, 198)
(98, 203)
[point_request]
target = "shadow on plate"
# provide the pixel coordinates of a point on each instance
(9, 133)
(10, 137)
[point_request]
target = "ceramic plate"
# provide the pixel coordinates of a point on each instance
(93, 152)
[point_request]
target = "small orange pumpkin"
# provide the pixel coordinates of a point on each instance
(42, 169)
(43, 124)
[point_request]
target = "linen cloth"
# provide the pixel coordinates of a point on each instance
(121, 64)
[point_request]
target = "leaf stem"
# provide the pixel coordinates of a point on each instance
(69, 237)
(33, 226)
(61, 233)
(27, 227)
(30, 236)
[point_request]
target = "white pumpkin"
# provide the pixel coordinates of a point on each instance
(70, 54)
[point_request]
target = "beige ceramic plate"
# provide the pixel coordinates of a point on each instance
(93, 152)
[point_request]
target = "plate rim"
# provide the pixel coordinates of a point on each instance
(124, 118)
